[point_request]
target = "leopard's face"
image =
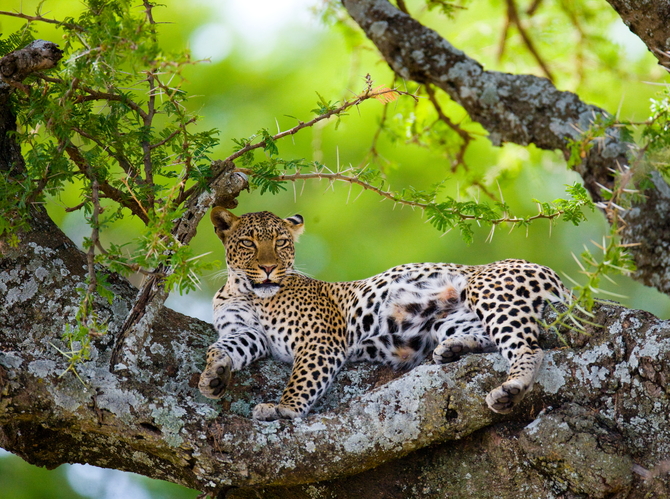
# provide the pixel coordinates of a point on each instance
(260, 248)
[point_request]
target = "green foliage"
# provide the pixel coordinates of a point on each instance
(447, 8)
(572, 208)
(16, 40)
(77, 336)
(324, 106)
(113, 113)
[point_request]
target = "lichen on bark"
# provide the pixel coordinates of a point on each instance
(596, 423)
(608, 387)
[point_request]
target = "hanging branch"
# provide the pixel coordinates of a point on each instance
(39, 18)
(354, 179)
(513, 18)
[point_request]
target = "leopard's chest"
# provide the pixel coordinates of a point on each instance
(300, 317)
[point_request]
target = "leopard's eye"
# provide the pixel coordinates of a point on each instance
(247, 243)
(281, 243)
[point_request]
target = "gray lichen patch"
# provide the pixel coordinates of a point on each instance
(565, 446)
(169, 418)
(10, 360)
(42, 368)
(378, 28)
(551, 377)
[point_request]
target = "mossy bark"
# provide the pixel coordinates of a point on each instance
(595, 425)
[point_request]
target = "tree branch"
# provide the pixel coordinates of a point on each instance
(159, 425)
(111, 192)
(651, 22)
(39, 55)
(39, 18)
(522, 109)
(513, 18)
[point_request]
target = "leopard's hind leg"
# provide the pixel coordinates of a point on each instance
(525, 362)
(458, 334)
(509, 298)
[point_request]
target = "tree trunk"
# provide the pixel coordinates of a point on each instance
(596, 423)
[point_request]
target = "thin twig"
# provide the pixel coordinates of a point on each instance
(353, 179)
(146, 147)
(465, 136)
(513, 17)
(369, 93)
(95, 237)
(111, 192)
(39, 18)
(96, 95)
(123, 162)
(148, 6)
(402, 7)
(75, 208)
(333, 112)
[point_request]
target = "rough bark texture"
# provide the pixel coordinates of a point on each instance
(599, 410)
(650, 20)
(37, 56)
(596, 424)
(525, 109)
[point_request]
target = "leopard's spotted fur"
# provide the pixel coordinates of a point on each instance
(397, 317)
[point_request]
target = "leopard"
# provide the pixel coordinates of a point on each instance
(399, 317)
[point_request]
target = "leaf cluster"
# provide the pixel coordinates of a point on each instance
(114, 112)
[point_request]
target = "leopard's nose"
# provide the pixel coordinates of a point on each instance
(268, 269)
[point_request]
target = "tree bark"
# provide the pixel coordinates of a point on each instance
(650, 21)
(599, 410)
(526, 109)
(595, 425)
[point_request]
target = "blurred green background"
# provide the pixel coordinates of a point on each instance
(267, 60)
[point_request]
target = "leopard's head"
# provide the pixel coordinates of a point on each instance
(259, 246)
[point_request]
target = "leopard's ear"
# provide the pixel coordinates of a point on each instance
(224, 222)
(295, 225)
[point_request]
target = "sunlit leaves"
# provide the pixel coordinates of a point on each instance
(16, 40)
(572, 208)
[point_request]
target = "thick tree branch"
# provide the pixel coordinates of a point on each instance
(606, 394)
(37, 56)
(223, 191)
(157, 423)
(522, 109)
(651, 22)
(15, 67)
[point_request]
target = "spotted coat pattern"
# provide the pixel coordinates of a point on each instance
(398, 317)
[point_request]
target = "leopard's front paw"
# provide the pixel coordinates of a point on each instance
(216, 376)
(270, 412)
(503, 399)
(449, 351)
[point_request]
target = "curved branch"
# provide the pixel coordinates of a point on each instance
(522, 109)
(158, 424)
(39, 18)
(649, 21)
(525, 109)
